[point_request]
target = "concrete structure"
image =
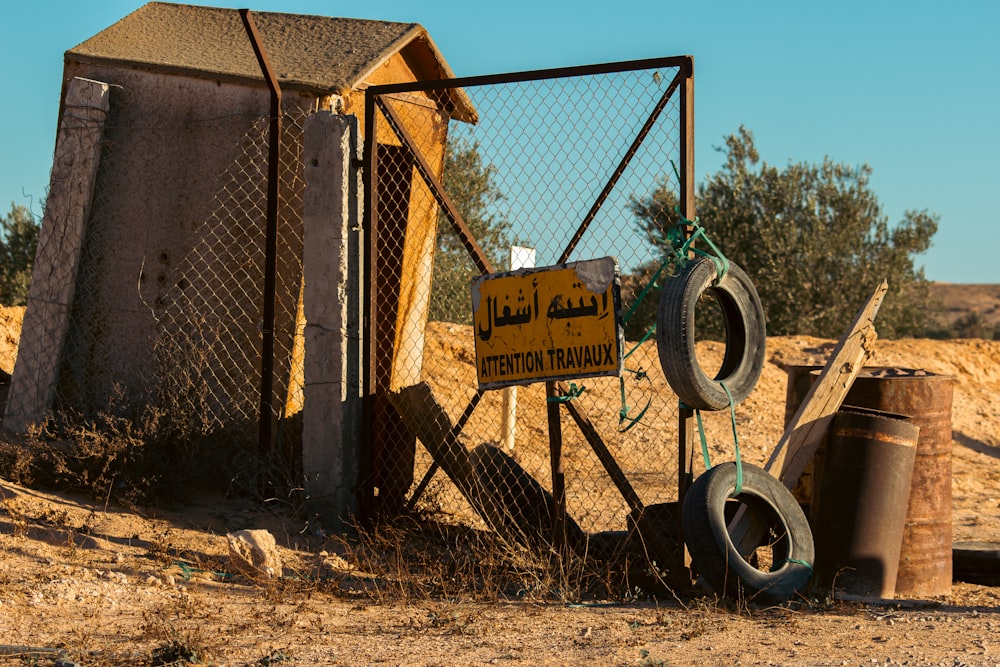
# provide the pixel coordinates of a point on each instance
(171, 93)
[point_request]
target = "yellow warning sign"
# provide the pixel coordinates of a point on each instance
(551, 323)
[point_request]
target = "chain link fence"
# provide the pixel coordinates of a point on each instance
(188, 295)
(556, 164)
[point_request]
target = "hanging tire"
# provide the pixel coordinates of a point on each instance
(746, 337)
(788, 543)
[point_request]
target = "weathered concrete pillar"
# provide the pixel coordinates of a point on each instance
(332, 267)
(60, 241)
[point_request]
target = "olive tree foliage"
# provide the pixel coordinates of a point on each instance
(471, 186)
(813, 239)
(18, 239)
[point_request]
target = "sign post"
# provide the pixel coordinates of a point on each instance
(520, 258)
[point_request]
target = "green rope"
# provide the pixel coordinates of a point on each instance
(623, 412)
(720, 261)
(640, 375)
(796, 561)
(649, 334)
(573, 392)
(704, 440)
(187, 570)
(676, 257)
(736, 439)
(681, 247)
(645, 290)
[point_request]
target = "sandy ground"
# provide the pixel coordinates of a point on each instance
(108, 585)
(10, 334)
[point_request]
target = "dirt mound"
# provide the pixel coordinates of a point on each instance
(10, 334)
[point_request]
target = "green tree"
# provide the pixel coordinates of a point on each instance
(471, 185)
(813, 238)
(18, 239)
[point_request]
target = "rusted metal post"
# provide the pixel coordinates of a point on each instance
(270, 248)
(552, 398)
(686, 199)
(685, 415)
(369, 302)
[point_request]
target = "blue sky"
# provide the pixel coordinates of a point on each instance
(911, 88)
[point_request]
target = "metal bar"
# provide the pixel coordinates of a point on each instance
(687, 194)
(270, 247)
(534, 75)
(685, 416)
(552, 393)
(622, 166)
(437, 189)
(454, 433)
(369, 303)
(604, 455)
(686, 197)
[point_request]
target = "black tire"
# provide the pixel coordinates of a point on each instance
(515, 505)
(746, 337)
(716, 558)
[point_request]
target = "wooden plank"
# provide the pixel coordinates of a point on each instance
(427, 420)
(806, 430)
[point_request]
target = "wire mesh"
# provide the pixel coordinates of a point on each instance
(527, 174)
(187, 292)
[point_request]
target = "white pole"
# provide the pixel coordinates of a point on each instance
(520, 258)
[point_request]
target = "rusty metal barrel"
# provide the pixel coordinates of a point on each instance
(860, 515)
(925, 567)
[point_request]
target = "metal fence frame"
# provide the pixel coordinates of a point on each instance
(683, 86)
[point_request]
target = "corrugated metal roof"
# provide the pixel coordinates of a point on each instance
(327, 55)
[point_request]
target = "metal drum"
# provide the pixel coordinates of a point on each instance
(860, 514)
(925, 567)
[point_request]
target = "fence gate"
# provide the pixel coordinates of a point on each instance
(558, 161)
